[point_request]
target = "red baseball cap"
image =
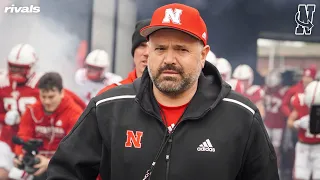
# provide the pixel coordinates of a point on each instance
(180, 17)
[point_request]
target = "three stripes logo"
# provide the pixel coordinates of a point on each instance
(206, 146)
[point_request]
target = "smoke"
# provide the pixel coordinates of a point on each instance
(56, 49)
(3, 4)
(55, 46)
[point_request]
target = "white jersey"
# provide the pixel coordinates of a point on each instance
(6, 156)
(90, 88)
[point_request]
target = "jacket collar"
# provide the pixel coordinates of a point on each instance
(211, 90)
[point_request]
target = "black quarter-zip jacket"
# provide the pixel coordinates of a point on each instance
(120, 134)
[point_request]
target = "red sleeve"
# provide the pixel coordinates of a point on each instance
(26, 129)
(76, 98)
(286, 101)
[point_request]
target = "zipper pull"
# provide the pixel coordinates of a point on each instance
(167, 157)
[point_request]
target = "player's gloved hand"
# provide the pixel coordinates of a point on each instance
(302, 123)
(12, 117)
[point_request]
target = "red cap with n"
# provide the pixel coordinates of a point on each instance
(180, 17)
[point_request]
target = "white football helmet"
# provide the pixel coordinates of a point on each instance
(224, 68)
(312, 93)
(98, 58)
(244, 72)
(273, 79)
(211, 57)
(96, 63)
(21, 60)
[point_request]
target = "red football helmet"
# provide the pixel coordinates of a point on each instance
(21, 60)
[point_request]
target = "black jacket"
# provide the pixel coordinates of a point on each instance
(221, 136)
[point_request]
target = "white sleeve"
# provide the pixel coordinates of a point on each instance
(80, 76)
(6, 156)
(112, 78)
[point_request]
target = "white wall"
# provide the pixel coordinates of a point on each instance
(102, 32)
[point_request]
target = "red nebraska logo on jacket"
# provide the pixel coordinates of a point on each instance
(134, 139)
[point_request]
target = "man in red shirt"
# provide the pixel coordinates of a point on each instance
(291, 114)
(309, 74)
(308, 148)
(172, 112)
(49, 119)
(139, 51)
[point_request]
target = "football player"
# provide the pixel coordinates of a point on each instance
(274, 119)
(307, 152)
(17, 86)
(255, 93)
(95, 75)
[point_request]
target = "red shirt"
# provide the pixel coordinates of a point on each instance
(172, 115)
(286, 105)
(51, 128)
(303, 135)
(15, 98)
(273, 100)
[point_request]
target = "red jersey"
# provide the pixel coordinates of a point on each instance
(255, 93)
(286, 105)
(304, 135)
(51, 128)
(273, 100)
(15, 97)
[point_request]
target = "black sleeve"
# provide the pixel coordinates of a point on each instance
(260, 161)
(78, 155)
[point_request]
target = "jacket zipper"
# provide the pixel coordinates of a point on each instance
(168, 153)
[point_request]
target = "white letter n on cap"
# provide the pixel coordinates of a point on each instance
(174, 16)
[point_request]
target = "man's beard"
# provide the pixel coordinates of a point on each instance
(172, 85)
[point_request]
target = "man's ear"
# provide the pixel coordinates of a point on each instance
(204, 52)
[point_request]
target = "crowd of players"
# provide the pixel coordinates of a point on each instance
(35, 105)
